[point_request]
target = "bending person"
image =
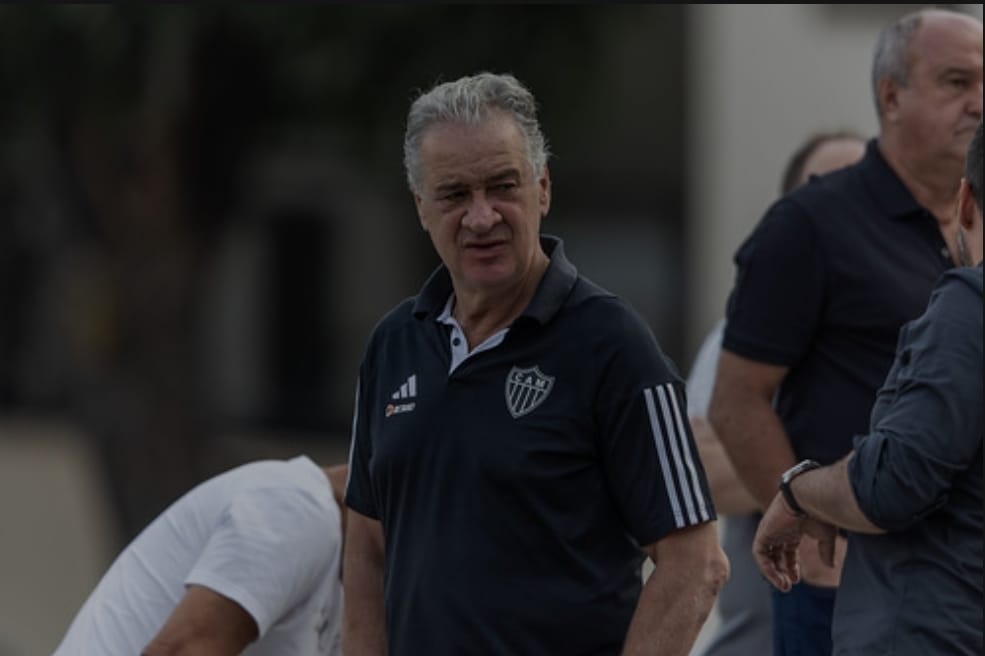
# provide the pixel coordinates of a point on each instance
(249, 558)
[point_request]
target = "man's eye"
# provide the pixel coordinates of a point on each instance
(454, 195)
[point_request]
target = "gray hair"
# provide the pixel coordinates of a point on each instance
(891, 58)
(470, 100)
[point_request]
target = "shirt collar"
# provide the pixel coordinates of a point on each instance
(889, 192)
(556, 284)
(552, 290)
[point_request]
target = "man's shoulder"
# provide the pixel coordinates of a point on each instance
(586, 290)
(399, 314)
(965, 279)
(269, 479)
(606, 311)
(958, 292)
(609, 322)
(395, 319)
(826, 205)
(292, 498)
(825, 196)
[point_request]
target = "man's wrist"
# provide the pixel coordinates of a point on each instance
(788, 477)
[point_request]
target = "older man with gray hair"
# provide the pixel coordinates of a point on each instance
(520, 441)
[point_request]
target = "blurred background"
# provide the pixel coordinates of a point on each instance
(203, 214)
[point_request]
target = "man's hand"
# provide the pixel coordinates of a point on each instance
(818, 571)
(778, 539)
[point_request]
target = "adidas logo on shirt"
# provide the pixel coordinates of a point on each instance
(407, 390)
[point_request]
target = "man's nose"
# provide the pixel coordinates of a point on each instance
(481, 215)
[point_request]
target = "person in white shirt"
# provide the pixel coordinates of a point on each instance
(246, 562)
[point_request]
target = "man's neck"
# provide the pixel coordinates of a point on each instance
(934, 185)
(483, 313)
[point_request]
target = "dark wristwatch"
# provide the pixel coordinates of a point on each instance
(788, 476)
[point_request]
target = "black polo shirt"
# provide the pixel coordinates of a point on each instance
(823, 285)
(514, 492)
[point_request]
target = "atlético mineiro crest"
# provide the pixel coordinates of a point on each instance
(526, 389)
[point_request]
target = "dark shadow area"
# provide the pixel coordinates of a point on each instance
(203, 210)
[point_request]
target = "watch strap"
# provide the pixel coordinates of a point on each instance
(787, 478)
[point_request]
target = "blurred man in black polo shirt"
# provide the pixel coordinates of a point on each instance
(911, 491)
(830, 275)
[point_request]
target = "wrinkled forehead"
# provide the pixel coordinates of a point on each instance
(457, 147)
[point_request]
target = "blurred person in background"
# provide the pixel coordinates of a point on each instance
(519, 444)
(247, 560)
(743, 605)
(830, 274)
(910, 493)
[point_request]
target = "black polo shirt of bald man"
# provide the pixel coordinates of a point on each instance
(823, 285)
(514, 492)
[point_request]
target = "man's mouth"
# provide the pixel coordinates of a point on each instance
(484, 246)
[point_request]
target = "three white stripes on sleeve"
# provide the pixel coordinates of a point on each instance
(676, 461)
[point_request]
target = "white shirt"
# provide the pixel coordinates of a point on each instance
(459, 345)
(266, 535)
(701, 379)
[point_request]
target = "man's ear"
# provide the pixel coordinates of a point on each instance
(544, 185)
(420, 214)
(967, 208)
(888, 93)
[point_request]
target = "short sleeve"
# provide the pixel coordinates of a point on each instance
(359, 490)
(928, 425)
(647, 450)
(270, 548)
(776, 301)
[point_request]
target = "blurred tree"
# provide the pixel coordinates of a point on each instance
(146, 110)
(138, 120)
